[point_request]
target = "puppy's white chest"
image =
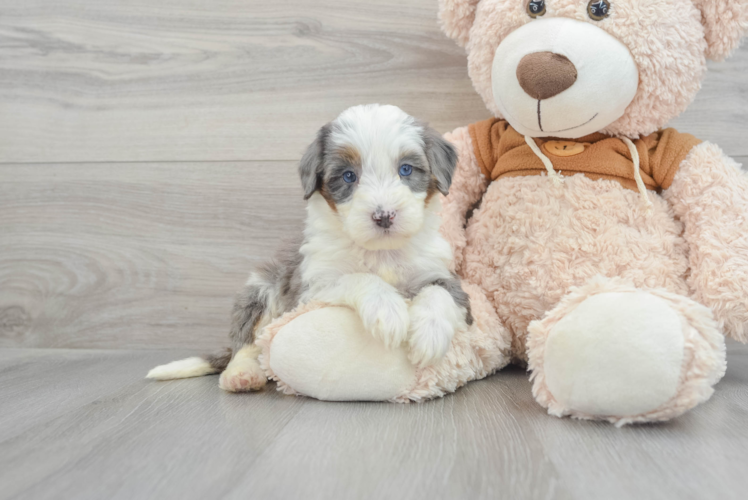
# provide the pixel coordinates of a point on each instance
(389, 274)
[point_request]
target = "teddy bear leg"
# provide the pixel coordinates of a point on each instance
(327, 354)
(613, 352)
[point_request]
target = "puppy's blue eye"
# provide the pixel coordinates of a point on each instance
(349, 177)
(406, 170)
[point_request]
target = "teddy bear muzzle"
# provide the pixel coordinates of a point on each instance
(560, 77)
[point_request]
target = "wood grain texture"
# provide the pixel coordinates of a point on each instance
(148, 156)
(178, 80)
(221, 80)
(84, 424)
(135, 255)
(99, 254)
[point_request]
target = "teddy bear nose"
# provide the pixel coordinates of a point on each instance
(543, 75)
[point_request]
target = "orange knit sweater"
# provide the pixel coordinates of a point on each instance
(501, 151)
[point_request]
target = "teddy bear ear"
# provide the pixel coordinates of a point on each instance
(457, 18)
(725, 23)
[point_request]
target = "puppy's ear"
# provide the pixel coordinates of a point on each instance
(725, 23)
(442, 158)
(310, 167)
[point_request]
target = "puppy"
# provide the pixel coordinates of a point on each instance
(371, 243)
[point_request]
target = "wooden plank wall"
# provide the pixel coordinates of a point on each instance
(148, 147)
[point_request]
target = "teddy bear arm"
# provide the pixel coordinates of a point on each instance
(467, 188)
(709, 194)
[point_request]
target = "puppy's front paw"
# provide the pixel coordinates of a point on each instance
(242, 375)
(386, 318)
(431, 334)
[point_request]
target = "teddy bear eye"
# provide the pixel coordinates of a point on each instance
(598, 9)
(536, 8)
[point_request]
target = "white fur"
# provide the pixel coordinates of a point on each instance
(243, 372)
(434, 318)
(340, 271)
(348, 260)
(381, 135)
(616, 354)
(184, 368)
(607, 78)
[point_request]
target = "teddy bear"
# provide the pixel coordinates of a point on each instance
(606, 252)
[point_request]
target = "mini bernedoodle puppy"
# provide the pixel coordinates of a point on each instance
(371, 243)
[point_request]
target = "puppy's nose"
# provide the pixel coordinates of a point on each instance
(543, 75)
(383, 218)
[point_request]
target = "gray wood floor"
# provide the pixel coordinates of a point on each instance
(148, 151)
(148, 148)
(85, 424)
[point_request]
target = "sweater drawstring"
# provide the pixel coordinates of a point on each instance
(638, 175)
(552, 174)
(558, 179)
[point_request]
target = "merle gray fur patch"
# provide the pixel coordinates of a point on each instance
(420, 179)
(454, 287)
(311, 164)
(249, 307)
(335, 188)
(442, 158)
(219, 360)
(275, 290)
(323, 165)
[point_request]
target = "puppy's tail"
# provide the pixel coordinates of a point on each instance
(196, 366)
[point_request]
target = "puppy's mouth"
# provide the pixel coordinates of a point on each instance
(386, 233)
(540, 123)
(385, 240)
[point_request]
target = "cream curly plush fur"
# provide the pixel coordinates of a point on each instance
(541, 253)
(617, 296)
